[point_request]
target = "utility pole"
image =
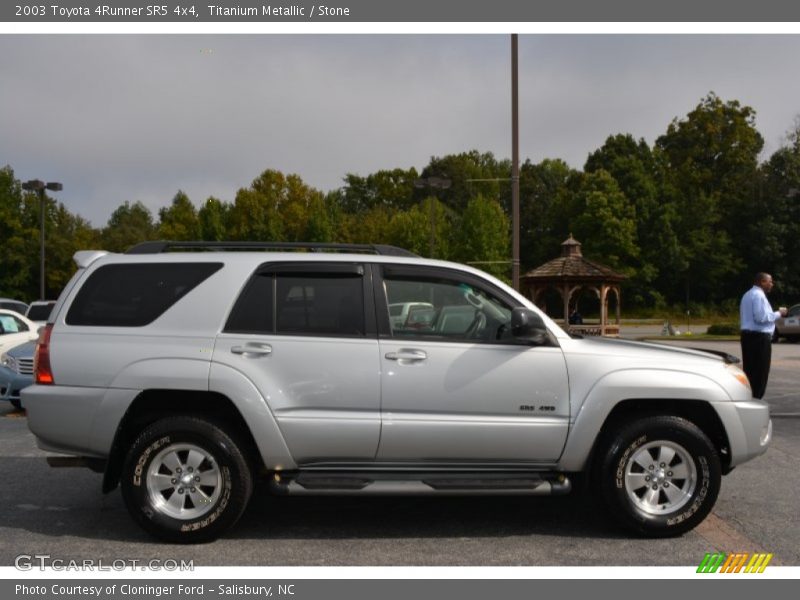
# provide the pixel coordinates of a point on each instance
(514, 162)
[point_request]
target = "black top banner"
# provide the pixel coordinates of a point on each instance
(411, 11)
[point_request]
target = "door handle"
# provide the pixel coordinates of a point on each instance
(407, 355)
(253, 350)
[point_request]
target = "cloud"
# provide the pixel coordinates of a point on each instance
(137, 117)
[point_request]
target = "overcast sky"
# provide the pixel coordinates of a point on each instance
(138, 117)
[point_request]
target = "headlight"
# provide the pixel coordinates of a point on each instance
(739, 375)
(9, 362)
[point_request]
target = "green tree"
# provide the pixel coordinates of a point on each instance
(470, 173)
(483, 237)
(391, 188)
(775, 228)
(213, 220)
(179, 221)
(606, 223)
(278, 207)
(636, 170)
(710, 160)
(16, 263)
(68, 234)
(128, 225)
(545, 189)
(425, 229)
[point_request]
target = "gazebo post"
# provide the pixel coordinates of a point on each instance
(603, 308)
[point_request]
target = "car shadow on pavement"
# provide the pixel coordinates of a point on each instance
(68, 502)
(337, 517)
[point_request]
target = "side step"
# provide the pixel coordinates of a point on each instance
(419, 484)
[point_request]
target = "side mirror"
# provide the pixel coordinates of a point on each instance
(527, 325)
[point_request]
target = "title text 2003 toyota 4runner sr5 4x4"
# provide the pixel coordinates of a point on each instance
(184, 370)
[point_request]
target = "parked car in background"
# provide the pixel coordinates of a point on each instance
(39, 311)
(16, 372)
(789, 326)
(16, 305)
(399, 311)
(15, 329)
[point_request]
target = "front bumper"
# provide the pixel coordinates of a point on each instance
(11, 383)
(748, 426)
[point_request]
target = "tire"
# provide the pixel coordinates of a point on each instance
(186, 480)
(17, 404)
(775, 337)
(660, 476)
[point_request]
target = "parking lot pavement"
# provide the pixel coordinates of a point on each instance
(61, 512)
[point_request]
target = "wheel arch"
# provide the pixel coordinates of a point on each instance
(698, 412)
(155, 404)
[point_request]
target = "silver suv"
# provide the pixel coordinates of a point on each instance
(184, 370)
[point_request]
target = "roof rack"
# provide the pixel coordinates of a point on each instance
(161, 246)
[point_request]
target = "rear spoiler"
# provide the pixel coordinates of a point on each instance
(84, 258)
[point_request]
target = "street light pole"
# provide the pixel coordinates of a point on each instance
(38, 186)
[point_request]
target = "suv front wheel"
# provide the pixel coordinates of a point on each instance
(660, 476)
(185, 480)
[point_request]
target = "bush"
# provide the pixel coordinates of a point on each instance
(724, 329)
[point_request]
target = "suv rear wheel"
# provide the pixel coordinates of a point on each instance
(185, 480)
(660, 476)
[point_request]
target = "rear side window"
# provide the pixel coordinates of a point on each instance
(133, 295)
(40, 312)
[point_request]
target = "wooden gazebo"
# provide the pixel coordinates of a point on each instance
(568, 274)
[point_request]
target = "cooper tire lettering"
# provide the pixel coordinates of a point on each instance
(191, 520)
(621, 474)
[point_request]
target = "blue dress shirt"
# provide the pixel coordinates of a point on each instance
(755, 312)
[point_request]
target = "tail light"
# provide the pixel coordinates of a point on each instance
(42, 373)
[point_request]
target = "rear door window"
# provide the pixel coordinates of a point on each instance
(303, 299)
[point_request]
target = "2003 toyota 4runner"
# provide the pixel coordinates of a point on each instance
(184, 370)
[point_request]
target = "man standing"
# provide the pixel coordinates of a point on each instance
(758, 325)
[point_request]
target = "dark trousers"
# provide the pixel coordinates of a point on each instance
(756, 357)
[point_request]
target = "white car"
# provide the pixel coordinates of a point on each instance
(399, 312)
(15, 330)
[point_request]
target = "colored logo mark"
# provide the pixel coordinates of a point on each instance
(738, 562)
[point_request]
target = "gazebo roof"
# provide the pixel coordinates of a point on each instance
(572, 266)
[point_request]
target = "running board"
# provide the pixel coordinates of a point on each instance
(419, 484)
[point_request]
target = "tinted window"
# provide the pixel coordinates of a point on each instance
(319, 304)
(133, 295)
(253, 310)
(40, 312)
(15, 306)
